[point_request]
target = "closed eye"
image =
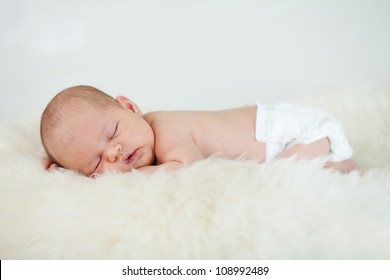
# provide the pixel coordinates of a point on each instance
(97, 165)
(113, 135)
(115, 131)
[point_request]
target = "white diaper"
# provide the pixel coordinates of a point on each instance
(282, 125)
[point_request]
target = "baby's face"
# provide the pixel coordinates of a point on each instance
(110, 139)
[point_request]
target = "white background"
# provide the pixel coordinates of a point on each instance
(190, 54)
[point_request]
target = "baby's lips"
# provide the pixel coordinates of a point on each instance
(130, 157)
(125, 158)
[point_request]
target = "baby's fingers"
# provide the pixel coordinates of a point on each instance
(50, 166)
(46, 163)
(53, 166)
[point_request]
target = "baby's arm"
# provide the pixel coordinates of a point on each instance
(175, 147)
(175, 158)
(168, 166)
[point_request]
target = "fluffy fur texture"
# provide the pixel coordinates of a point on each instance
(215, 209)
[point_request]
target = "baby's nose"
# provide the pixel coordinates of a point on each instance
(114, 152)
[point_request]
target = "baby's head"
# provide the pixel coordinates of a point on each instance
(84, 129)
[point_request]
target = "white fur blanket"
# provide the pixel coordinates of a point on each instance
(214, 209)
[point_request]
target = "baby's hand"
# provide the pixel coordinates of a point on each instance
(50, 166)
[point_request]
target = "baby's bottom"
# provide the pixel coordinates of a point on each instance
(289, 129)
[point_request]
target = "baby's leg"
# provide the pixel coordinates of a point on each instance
(319, 148)
(345, 166)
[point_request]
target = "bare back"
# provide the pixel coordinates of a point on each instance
(228, 133)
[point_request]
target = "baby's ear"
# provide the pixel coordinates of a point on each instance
(128, 104)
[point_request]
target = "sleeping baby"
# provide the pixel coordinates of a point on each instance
(86, 130)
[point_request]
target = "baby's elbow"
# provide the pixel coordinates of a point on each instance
(187, 161)
(191, 158)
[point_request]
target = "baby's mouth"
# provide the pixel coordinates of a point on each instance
(130, 157)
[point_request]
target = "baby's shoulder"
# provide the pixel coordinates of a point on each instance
(174, 116)
(168, 127)
(158, 117)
